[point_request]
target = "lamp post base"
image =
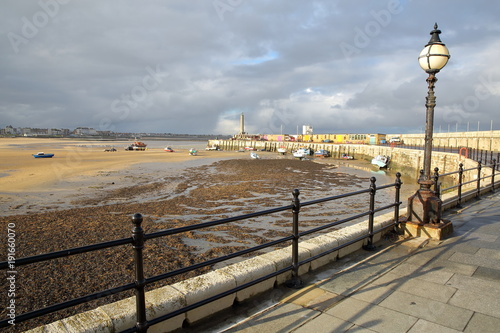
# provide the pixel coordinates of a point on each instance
(424, 214)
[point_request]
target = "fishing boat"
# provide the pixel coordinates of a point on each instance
(322, 153)
(193, 152)
(381, 160)
(169, 149)
(136, 145)
(254, 156)
(42, 155)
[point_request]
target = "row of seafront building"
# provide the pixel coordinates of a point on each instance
(486, 140)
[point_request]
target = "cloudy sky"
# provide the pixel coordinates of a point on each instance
(182, 66)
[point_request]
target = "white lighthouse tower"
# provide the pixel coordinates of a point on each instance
(242, 124)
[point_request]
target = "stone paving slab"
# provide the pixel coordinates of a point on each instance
(373, 317)
(440, 313)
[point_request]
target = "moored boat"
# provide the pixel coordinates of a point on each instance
(169, 149)
(137, 145)
(282, 150)
(302, 153)
(322, 153)
(347, 157)
(42, 155)
(381, 160)
(193, 152)
(255, 156)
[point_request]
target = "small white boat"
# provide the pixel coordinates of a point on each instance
(381, 160)
(193, 152)
(282, 150)
(255, 156)
(213, 147)
(301, 153)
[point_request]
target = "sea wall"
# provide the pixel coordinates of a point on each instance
(406, 161)
(486, 140)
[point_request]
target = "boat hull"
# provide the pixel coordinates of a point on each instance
(43, 156)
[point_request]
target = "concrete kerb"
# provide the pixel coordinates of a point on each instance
(250, 270)
(205, 286)
(120, 315)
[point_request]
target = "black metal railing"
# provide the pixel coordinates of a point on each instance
(473, 184)
(139, 239)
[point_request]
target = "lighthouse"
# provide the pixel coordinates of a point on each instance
(242, 124)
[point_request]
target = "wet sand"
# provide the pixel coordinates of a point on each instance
(79, 168)
(88, 196)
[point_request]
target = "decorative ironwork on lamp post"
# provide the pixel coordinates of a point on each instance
(425, 206)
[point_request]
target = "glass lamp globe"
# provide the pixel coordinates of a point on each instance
(435, 54)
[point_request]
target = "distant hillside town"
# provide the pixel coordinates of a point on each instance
(88, 132)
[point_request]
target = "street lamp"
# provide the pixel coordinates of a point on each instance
(424, 206)
(432, 59)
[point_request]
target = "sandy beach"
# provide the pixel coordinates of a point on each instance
(80, 168)
(84, 195)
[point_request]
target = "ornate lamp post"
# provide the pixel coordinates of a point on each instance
(425, 206)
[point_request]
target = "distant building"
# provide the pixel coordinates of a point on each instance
(307, 130)
(84, 131)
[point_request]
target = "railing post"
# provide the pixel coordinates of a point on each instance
(493, 170)
(295, 282)
(140, 298)
(460, 180)
(478, 189)
(397, 201)
(373, 189)
(435, 178)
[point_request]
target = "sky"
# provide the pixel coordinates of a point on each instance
(177, 66)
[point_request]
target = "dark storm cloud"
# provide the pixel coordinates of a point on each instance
(193, 67)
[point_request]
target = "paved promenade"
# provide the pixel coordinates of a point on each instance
(410, 286)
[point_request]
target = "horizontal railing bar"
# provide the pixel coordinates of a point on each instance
(376, 210)
(340, 196)
(68, 304)
(333, 224)
(450, 188)
(469, 182)
(66, 253)
(215, 260)
(448, 173)
(174, 231)
(382, 187)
